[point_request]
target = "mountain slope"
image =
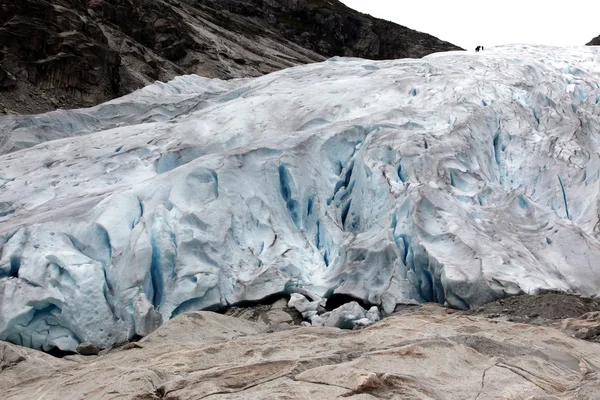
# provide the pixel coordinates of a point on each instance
(458, 178)
(594, 42)
(70, 53)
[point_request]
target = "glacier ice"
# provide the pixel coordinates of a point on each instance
(347, 316)
(307, 308)
(373, 314)
(458, 178)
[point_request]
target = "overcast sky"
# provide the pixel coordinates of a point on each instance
(468, 23)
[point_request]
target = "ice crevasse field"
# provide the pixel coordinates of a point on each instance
(458, 178)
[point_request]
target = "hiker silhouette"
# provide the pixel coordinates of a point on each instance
(477, 48)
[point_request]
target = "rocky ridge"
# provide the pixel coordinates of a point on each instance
(76, 53)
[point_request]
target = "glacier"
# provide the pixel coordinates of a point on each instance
(459, 178)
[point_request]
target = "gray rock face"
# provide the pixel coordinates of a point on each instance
(427, 352)
(76, 53)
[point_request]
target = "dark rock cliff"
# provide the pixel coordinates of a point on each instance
(73, 53)
(595, 41)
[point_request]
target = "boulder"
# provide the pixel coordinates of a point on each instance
(88, 349)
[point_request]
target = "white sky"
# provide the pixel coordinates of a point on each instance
(468, 23)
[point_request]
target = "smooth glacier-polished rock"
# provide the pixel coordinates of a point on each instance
(458, 178)
(427, 352)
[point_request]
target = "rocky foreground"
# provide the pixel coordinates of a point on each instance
(425, 352)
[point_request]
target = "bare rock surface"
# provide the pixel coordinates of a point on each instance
(424, 352)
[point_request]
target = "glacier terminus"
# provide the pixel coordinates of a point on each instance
(459, 178)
